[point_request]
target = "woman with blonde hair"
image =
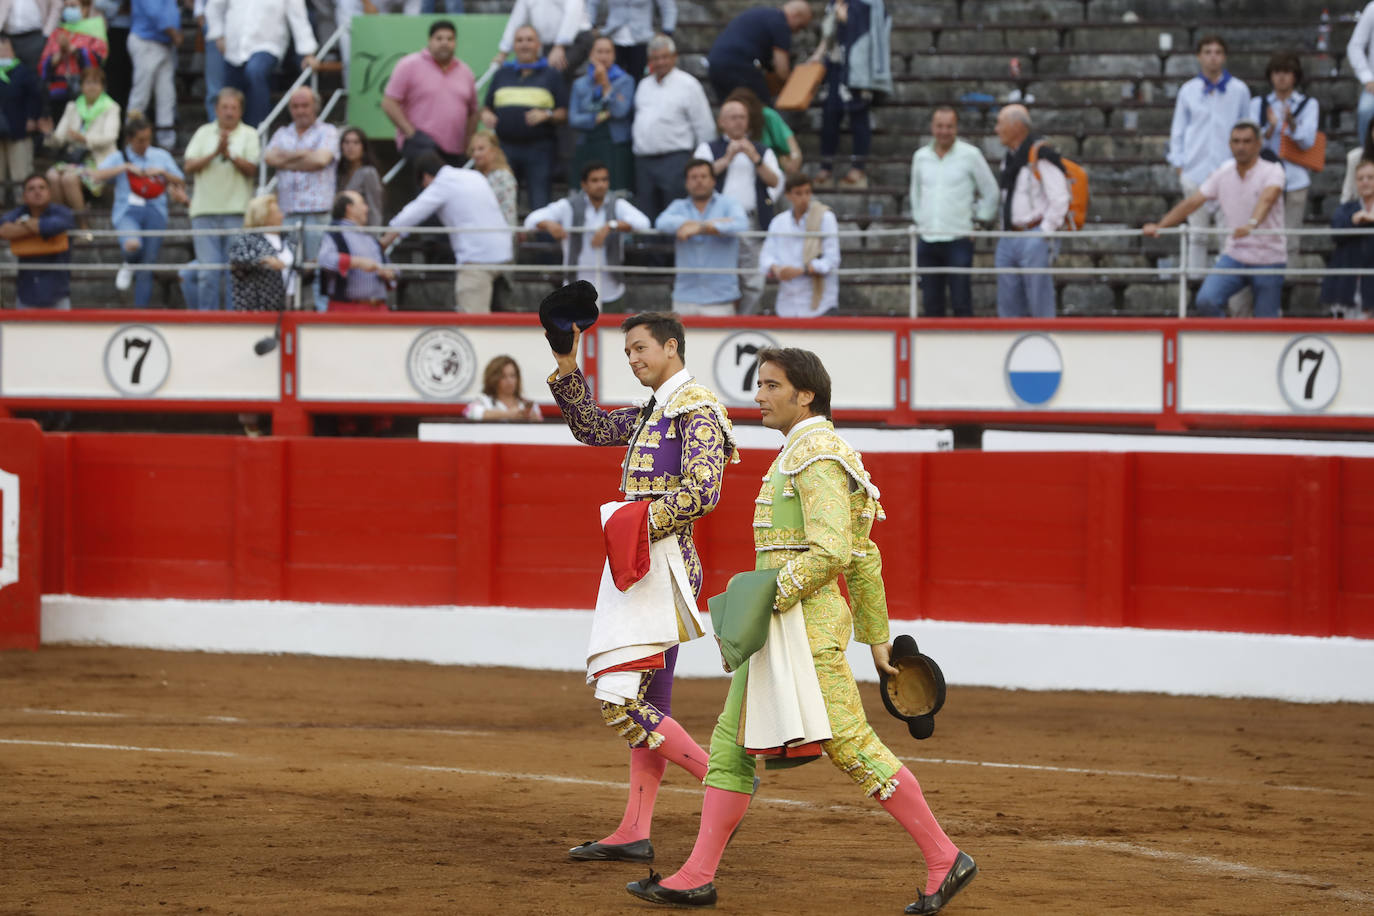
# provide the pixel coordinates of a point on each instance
(262, 262)
(501, 398)
(489, 159)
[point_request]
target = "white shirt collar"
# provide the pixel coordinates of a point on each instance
(804, 425)
(665, 391)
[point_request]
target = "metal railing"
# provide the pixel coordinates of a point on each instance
(1181, 272)
(312, 76)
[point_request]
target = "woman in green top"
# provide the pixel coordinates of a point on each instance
(766, 126)
(90, 129)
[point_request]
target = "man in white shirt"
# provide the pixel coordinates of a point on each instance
(463, 199)
(1360, 53)
(1035, 200)
(27, 24)
(1208, 106)
(253, 36)
(749, 173)
(951, 186)
(599, 249)
(672, 118)
(802, 253)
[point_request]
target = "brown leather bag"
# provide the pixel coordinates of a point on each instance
(800, 87)
(34, 246)
(1314, 157)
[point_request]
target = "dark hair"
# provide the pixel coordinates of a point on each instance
(93, 72)
(347, 169)
(949, 108)
(696, 163)
(602, 38)
(663, 327)
(753, 104)
(804, 372)
(1247, 124)
(595, 165)
(40, 176)
(443, 24)
(491, 375)
(794, 181)
(1206, 40)
(1368, 141)
(1284, 62)
(135, 125)
(341, 202)
(427, 163)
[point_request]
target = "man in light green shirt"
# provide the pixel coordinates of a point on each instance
(951, 186)
(222, 158)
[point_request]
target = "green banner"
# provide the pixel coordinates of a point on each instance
(380, 41)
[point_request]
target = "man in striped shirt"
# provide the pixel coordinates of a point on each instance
(353, 271)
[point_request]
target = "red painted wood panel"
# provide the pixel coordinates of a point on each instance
(1246, 543)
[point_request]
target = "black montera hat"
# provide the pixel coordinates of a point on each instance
(916, 694)
(573, 304)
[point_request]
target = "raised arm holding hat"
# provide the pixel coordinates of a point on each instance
(679, 441)
(812, 522)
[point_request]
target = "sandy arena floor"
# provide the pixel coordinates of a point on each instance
(192, 783)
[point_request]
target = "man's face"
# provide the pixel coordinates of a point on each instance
(734, 120)
(1211, 58)
(1364, 181)
(701, 184)
(302, 107)
(1245, 146)
(661, 62)
(780, 404)
(945, 127)
(228, 111)
(526, 45)
(596, 184)
(442, 45)
(798, 16)
(800, 198)
(37, 194)
(1006, 131)
(650, 361)
(357, 208)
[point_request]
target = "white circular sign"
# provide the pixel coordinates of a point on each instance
(1309, 373)
(441, 364)
(736, 366)
(1033, 370)
(137, 360)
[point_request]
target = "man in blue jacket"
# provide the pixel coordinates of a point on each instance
(40, 227)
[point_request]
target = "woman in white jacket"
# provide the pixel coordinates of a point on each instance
(1360, 53)
(89, 129)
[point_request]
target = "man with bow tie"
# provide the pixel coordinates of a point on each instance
(1208, 106)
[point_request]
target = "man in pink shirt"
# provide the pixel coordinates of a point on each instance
(1249, 191)
(432, 98)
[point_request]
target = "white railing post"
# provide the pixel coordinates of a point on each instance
(915, 284)
(300, 264)
(1183, 247)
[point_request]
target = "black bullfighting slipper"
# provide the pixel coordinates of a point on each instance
(641, 851)
(960, 874)
(649, 889)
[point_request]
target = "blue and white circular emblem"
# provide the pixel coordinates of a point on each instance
(1034, 369)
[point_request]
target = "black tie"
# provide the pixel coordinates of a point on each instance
(649, 407)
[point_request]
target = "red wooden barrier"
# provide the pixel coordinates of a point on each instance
(21, 543)
(1247, 543)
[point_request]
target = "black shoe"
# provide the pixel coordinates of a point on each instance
(960, 874)
(641, 851)
(649, 889)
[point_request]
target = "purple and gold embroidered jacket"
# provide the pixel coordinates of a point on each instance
(676, 456)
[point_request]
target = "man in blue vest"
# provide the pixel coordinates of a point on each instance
(354, 275)
(748, 173)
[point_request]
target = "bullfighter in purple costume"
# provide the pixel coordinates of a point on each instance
(679, 442)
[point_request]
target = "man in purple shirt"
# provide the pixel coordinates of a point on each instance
(1249, 192)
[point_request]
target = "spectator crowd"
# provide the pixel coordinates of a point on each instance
(594, 93)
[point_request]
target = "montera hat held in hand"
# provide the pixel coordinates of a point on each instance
(916, 693)
(574, 304)
(740, 614)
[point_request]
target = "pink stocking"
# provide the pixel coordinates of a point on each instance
(646, 772)
(678, 747)
(721, 812)
(909, 807)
